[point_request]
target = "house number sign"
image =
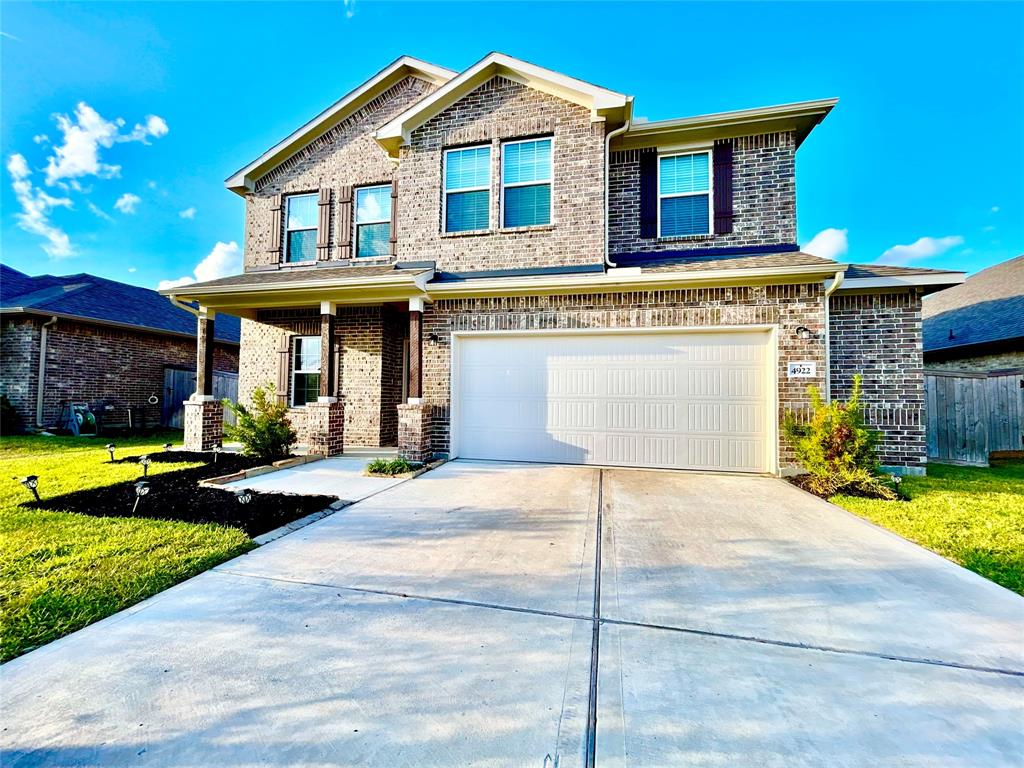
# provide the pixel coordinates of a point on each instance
(802, 370)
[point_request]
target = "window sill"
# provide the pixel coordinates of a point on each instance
(530, 228)
(686, 238)
(469, 233)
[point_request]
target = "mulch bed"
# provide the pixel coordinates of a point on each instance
(178, 496)
(804, 482)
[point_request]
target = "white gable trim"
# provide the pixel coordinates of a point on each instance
(603, 104)
(243, 180)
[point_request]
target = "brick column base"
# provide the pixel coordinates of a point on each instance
(414, 431)
(204, 424)
(325, 426)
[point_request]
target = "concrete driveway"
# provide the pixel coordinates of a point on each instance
(450, 620)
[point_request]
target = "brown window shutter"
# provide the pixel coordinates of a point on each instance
(723, 186)
(276, 225)
(323, 226)
(394, 216)
(283, 367)
(344, 237)
(648, 193)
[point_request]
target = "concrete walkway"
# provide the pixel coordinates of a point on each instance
(342, 477)
(450, 620)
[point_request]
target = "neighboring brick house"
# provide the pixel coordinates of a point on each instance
(978, 326)
(501, 264)
(93, 341)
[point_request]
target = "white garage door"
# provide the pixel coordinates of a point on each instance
(676, 400)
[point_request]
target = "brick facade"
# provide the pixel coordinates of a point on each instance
(204, 424)
(87, 362)
(764, 199)
(415, 422)
(879, 336)
(325, 427)
(786, 307)
(501, 109)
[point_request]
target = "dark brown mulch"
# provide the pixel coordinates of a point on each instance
(178, 496)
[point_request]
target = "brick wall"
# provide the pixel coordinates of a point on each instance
(85, 363)
(785, 306)
(345, 155)
(19, 361)
(879, 337)
(497, 110)
(764, 198)
(980, 364)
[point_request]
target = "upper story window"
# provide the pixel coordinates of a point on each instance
(305, 370)
(300, 228)
(373, 221)
(467, 189)
(684, 194)
(526, 183)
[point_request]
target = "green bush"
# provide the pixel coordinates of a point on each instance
(10, 420)
(391, 467)
(265, 431)
(837, 448)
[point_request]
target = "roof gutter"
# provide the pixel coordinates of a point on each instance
(607, 181)
(198, 289)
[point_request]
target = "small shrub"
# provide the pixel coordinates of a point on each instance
(837, 448)
(391, 467)
(10, 419)
(265, 431)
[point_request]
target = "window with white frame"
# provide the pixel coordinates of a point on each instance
(373, 221)
(300, 227)
(467, 189)
(684, 194)
(305, 370)
(526, 183)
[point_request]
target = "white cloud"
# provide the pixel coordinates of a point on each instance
(995, 209)
(132, 269)
(85, 134)
(188, 213)
(35, 209)
(99, 212)
(41, 138)
(830, 243)
(350, 8)
(127, 203)
(225, 259)
(151, 184)
(922, 248)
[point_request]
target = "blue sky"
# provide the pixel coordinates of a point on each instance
(923, 154)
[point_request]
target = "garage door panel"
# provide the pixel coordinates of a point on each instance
(684, 400)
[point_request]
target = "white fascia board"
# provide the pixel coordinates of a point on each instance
(610, 281)
(402, 277)
(780, 112)
(243, 180)
(396, 132)
(899, 281)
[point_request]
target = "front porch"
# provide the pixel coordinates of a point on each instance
(348, 366)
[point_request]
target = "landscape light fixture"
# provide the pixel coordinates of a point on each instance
(145, 461)
(31, 482)
(141, 489)
(110, 449)
(216, 452)
(243, 495)
(805, 333)
(167, 447)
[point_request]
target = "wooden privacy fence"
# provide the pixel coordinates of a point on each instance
(179, 384)
(971, 415)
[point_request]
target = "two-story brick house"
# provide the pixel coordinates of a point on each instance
(501, 264)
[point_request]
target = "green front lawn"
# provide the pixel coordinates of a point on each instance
(972, 516)
(60, 571)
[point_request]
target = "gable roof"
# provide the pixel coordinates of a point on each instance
(987, 308)
(603, 103)
(107, 302)
(243, 180)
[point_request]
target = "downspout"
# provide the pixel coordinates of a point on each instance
(607, 182)
(183, 305)
(41, 375)
(836, 282)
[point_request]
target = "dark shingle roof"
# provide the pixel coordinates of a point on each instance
(707, 262)
(282, 276)
(988, 307)
(95, 298)
(856, 271)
